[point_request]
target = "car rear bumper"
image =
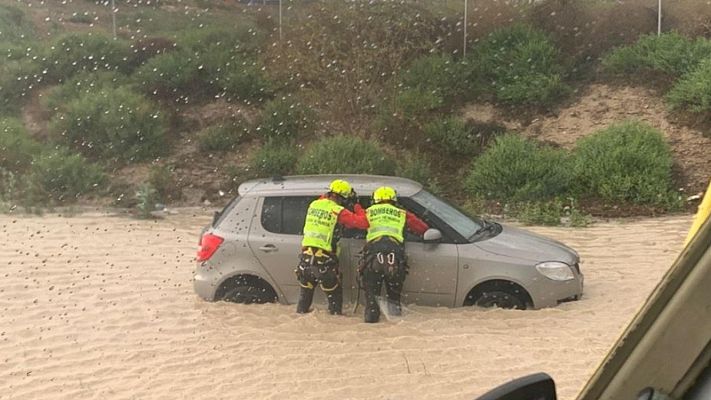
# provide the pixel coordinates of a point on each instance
(204, 283)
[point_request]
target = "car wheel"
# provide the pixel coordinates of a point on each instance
(500, 298)
(248, 295)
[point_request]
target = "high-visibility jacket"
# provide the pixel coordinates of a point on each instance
(386, 220)
(320, 225)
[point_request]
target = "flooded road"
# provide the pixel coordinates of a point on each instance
(100, 306)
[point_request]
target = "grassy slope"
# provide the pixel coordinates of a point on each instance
(204, 176)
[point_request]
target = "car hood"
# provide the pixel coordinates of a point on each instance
(528, 246)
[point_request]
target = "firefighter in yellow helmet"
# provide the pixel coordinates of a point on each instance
(318, 264)
(384, 259)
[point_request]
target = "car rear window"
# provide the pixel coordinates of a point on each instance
(285, 214)
(219, 217)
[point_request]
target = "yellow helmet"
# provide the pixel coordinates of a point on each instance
(340, 187)
(384, 193)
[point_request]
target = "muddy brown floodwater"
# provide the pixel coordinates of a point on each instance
(101, 306)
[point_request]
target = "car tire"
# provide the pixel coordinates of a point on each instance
(501, 298)
(246, 294)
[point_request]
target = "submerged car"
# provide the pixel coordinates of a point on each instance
(249, 252)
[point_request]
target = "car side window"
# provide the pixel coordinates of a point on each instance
(285, 214)
(431, 220)
(293, 214)
(271, 214)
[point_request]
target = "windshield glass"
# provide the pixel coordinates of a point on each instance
(458, 220)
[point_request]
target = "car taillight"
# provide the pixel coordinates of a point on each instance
(209, 244)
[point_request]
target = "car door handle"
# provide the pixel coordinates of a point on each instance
(268, 248)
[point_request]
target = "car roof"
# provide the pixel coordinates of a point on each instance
(364, 185)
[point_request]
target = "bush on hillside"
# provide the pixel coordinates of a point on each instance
(163, 180)
(78, 52)
(244, 83)
(522, 65)
(17, 79)
(670, 53)
(451, 135)
(17, 148)
(114, 123)
(693, 91)
(417, 168)
(224, 136)
(515, 169)
(61, 176)
(285, 118)
(445, 77)
(345, 155)
(169, 73)
(628, 161)
(275, 158)
(14, 26)
(551, 213)
(81, 84)
(399, 117)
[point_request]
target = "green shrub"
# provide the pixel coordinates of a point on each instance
(242, 37)
(161, 178)
(693, 91)
(81, 84)
(670, 53)
(223, 137)
(77, 52)
(345, 155)
(146, 199)
(418, 169)
(208, 62)
(274, 158)
(244, 83)
(285, 118)
(10, 185)
(17, 79)
(400, 115)
(451, 135)
(629, 161)
(14, 26)
(113, 122)
(84, 18)
(551, 213)
(17, 148)
(168, 73)
(514, 169)
(410, 103)
(60, 176)
(440, 74)
(522, 65)
(547, 213)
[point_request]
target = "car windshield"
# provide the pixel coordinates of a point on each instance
(452, 216)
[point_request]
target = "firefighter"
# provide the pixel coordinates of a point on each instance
(318, 264)
(384, 258)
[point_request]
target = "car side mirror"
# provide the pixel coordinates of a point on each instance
(432, 236)
(532, 387)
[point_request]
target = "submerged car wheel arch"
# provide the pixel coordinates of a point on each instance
(248, 278)
(492, 284)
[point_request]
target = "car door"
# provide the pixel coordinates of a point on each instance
(433, 267)
(432, 277)
(275, 240)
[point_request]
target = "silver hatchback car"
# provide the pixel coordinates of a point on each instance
(249, 252)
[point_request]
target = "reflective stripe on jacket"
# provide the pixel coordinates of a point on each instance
(385, 220)
(320, 225)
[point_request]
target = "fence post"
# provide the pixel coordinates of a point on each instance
(464, 49)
